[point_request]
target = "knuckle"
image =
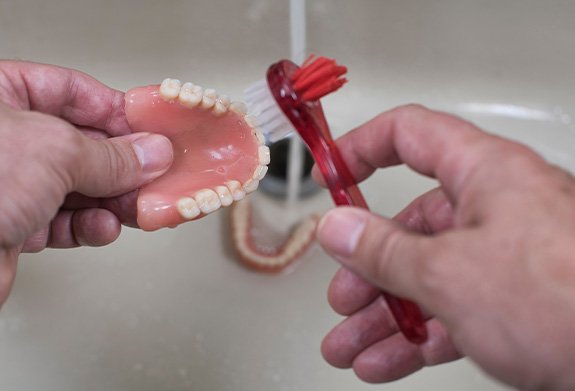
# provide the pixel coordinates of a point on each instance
(385, 257)
(410, 109)
(67, 152)
(424, 265)
(388, 256)
(61, 137)
(55, 143)
(435, 273)
(119, 161)
(113, 161)
(406, 114)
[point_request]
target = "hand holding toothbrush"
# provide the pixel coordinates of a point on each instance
(490, 254)
(288, 100)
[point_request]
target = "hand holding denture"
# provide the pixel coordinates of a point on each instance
(69, 164)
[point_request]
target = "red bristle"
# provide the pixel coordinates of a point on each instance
(322, 90)
(306, 62)
(318, 77)
(312, 67)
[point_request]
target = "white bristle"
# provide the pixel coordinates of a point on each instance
(269, 117)
(256, 87)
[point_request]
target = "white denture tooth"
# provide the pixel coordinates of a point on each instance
(219, 109)
(198, 89)
(239, 107)
(264, 155)
(190, 95)
(251, 120)
(260, 172)
(170, 89)
(236, 189)
(225, 195)
(222, 104)
(224, 100)
(259, 136)
(251, 185)
(208, 200)
(209, 99)
(188, 208)
(291, 251)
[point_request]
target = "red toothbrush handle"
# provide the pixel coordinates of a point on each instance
(345, 192)
(308, 119)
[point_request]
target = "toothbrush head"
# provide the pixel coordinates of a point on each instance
(318, 77)
(297, 91)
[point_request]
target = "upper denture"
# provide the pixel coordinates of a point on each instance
(219, 156)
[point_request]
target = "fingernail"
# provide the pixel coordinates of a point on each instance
(154, 152)
(339, 231)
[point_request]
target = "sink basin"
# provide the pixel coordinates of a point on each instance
(173, 310)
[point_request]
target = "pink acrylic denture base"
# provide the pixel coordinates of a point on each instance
(209, 150)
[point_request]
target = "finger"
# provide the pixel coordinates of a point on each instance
(93, 227)
(394, 357)
(432, 143)
(37, 241)
(74, 228)
(84, 227)
(348, 293)
(93, 133)
(384, 253)
(69, 94)
(429, 213)
(123, 206)
(354, 334)
(119, 165)
(371, 333)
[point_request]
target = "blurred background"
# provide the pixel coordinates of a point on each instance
(173, 310)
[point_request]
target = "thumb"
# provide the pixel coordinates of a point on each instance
(378, 249)
(118, 165)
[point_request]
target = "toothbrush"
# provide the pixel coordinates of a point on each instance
(288, 99)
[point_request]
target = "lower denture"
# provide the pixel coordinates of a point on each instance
(219, 156)
(266, 258)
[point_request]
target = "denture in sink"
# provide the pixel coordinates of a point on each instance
(219, 155)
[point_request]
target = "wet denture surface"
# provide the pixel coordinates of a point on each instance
(268, 258)
(219, 156)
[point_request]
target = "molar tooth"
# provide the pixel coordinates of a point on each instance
(264, 155)
(260, 172)
(236, 189)
(209, 98)
(190, 95)
(188, 208)
(208, 201)
(225, 195)
(239, 107)
(224, 100)
(198, 89)
(222, 104)
(170, 89)
(251, 185)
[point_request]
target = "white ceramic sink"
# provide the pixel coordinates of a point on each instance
(172, 310)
